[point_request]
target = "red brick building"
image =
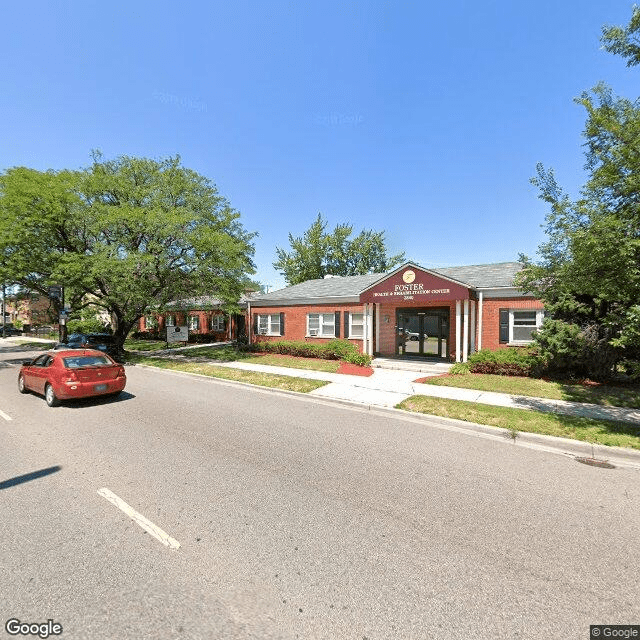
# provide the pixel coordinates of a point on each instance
(411, 311)
(204, 316)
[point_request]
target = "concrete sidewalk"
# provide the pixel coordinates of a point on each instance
(388, 387)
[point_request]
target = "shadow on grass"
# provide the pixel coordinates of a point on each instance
(616, 395)
(609, 419)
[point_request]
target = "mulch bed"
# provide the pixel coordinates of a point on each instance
(354, 369)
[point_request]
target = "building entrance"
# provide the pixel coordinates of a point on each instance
(422, 332)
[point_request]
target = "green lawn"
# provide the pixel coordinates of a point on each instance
(618, 434)
(132, 344)
(607, 395)
(302, 385)
(229, 353)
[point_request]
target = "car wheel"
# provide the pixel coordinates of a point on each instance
(21, 387)
(50, 396)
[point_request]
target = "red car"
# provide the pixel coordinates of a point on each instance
(73, 373)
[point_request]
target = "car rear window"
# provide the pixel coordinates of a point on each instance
(76, 362)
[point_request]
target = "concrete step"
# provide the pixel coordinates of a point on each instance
(420, 366)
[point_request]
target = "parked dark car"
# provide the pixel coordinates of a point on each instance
(101, 341)
(10, 330)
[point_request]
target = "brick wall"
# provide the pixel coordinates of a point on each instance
(295, 321)
(491, 317)
(182, 319)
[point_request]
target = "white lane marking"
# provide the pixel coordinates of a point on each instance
(147, 525)
(5, 416)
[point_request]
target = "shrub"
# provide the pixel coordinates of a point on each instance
(505, 362)
(200, 338)
(336, 349)
(362, 359)
(574, 351)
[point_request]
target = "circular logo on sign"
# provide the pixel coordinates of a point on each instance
(409, 276)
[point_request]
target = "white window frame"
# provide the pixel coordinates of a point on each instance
(216, 321)
(194, 323)
(323, 330)
(170, 321)
(353, 324)
(539, 319)
(269, 324)
(150, 322)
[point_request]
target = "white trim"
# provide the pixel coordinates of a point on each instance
(539, 319)
(267, 331)
(473, 326)
(465, 333)
(458, 336)
(361, 324)
(369, 328)
(480, 322)
(413, 265)
(377, 316)
(320, 331)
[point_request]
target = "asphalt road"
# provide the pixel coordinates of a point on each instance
(298, 519)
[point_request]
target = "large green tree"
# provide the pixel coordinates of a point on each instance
(125, 235)
(319, 253)
(588, 274)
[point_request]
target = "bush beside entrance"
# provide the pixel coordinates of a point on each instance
(332, 350)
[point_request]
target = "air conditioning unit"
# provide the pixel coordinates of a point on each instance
(313, 332)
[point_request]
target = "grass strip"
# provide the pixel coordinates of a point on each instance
(229, 353)
(627, 396)
(605, 432)
(287, 383)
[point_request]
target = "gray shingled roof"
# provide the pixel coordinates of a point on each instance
(482, 276)
(205, 302)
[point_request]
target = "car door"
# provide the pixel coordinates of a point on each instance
(39, 371)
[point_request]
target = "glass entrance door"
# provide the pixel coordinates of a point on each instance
(422, 332)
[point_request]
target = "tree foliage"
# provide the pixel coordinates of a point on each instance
(125, 235)
(319, 253)
(588, 274)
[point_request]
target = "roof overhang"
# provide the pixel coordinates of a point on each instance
(292, 302)
(413, 284)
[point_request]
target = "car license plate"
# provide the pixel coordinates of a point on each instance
(100, 387)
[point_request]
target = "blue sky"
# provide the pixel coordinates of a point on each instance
(423, 119)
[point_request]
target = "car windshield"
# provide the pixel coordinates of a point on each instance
(77, 362)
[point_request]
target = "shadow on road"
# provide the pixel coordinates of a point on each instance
(83, 403)
(27, 477)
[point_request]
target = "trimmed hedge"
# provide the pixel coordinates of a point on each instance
(336, 349)
(510, 361)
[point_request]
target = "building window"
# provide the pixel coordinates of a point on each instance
(217, 323)
(194, 323)
(518, 325)
(322, 325)
(269, 324)
(356, 325)
(170, 321)
(150, 322)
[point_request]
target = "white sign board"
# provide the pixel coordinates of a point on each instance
(177, 334)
